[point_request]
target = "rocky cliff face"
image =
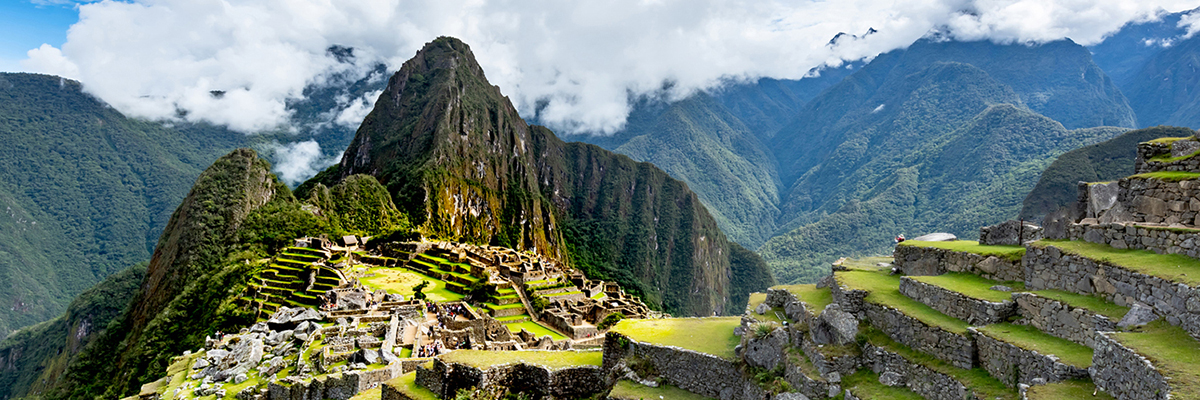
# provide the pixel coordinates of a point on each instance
(462, 163)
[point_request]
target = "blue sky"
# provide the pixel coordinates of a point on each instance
(25, 25)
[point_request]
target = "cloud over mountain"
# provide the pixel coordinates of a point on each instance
(237, 62)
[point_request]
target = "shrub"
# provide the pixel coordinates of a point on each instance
(610, 320)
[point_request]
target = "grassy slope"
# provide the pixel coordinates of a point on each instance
(1030, 338)
(550, 359)
(884, 290)
(1172, 351)
(706, 335)
(626, 390)
(1010, 253)
(1171, 267)
(971, 285)
(1092, 303)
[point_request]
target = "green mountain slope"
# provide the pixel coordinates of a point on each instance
(463, 165)
(1163, 91)
(85, 191)
(965, 132)
(1104, 161)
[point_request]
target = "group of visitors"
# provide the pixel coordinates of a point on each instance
(430, 350)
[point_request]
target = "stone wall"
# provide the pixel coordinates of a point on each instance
(851, 300)
(958, 350)
(1148, 150)
(335, 386)
(699, 373)
(926, 382)
(1123, 236)
(1051, 268)
(813, 387)
(1014, 365)
(957, 305)
(1061, 320)
(1158, 201)
(446, 379)
(916, 260)
(1125, 374)
(796, 310)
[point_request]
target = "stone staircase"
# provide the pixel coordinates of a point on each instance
(296, 276)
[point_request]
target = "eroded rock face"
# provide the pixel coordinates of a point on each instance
(834, 326)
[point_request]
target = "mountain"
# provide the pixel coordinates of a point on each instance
(463, 165)
(1105, 161)
(914, 116)
(86, 191)
(1163, 91)
(1123, 53)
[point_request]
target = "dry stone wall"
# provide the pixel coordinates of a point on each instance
(851, 300)
(916, 260)
(336, 386)
(1014, 365)
(1050, 268)
(446, 379)
(1159, 201)
(1061, 320)
(1125, 374)
(1129, 236)
(955, 304)
(796, 310)
(926, 382)
(958, 350)
(1148, 150)
(699, 373)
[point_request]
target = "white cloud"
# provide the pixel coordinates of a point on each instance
(154, 58)
(354, 112)
(295, 162)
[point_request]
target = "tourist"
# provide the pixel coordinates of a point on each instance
(900, 238)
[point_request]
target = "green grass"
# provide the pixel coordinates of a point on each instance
(402, 280)
(971, 285)
(407, 384)
(867, 263)
(1086, 302)
(884, 290)
(816, 299)
(712, 335)
(1169, 140)
(513, 318)
(1169, 176)
(1010, 253)
(757, 298)
(563, 294)
(1030, 338)
(375, 393)
(493, 306)
(1172, 267)
(1166, 158)
(1066, 390)
(483, 359)
(865, 384)
(1172, 351)
(538, 330)
(626, 390)
(977, 379)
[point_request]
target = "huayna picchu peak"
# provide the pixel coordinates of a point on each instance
(460, 250)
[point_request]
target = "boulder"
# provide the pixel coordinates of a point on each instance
(240, 378)
(1010, 233)
(936, 237)
(306, 314)
(1117, 213)
(1139, 314)
(762, 308)
(1054, 225)
(200, 364)
(282, 317)
(790, 396)
(834, 326)
(890, 378)
(260, 327)
(1101, 197)
(767, 352)
(388, 357)
(1001, 288)
(365, 356)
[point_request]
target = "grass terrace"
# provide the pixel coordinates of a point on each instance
(712, 335)
(1090, 303)
(483, 359)
(1172, 351)
(867, 263)
(630, 390)
(1168, 176)
(538, 330)
(1166, 158)
(971, 285)
(1010, 253)
(1030, 338)
(1066, 390)
(1169, 140)
(757, 298)
(983, 384)
(884, 289)
(865, 384)
(369, 394)
(401, 281)
(407, 384)
(1172, 267)
(815, 298)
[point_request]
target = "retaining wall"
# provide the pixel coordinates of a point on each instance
(1125, 374)
(1061, 320)
(1050, 268)
(926, 382)
(916, 260)
(1014, 365)
(335, 386)
(816, 388)
(1147, 150)
(957, 305)
(699, 373)
(958, 350)
(796, 310)
(1158, 201)
(445, 379)
(1122, 236)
